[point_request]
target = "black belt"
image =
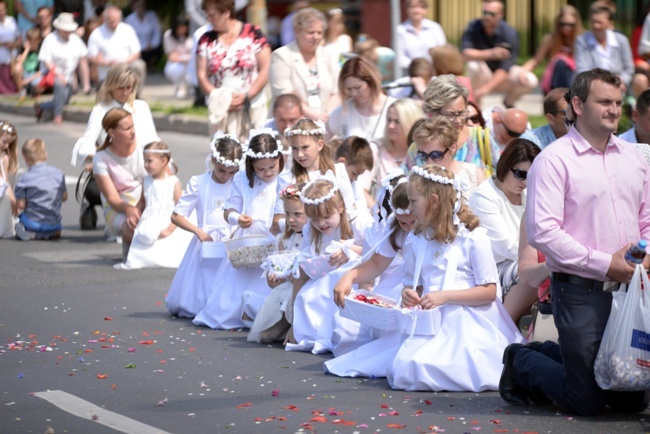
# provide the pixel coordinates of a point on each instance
(595, 285)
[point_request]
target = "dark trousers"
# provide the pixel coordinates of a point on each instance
(565, 372)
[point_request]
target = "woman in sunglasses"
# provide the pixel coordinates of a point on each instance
(557, 47)
(436, 140)
(499, 203)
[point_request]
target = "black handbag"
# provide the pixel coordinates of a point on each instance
(88, 196)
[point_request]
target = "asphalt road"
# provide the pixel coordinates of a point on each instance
(88, 349)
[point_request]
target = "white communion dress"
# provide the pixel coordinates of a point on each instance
(465, 353)
(147, 249)
(226, 303)
(192, 283)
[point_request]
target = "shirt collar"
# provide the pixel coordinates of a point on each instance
(582, 146)
(423, 26)
(612, 41)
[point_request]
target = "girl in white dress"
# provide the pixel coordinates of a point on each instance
(206, 194)
(8, 170)
(385, 263)
(331, 246)
(155, 242)
(238, 293)
(274, 319)
(312, 158)
(455, 274)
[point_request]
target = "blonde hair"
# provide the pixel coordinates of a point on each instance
(34, 150)
(119, 75)
(161, 146)
(325, 161)
(305, 17)
(440, 91)
(447, 60)
(325, 209)
(408, 112)
(439, 223)
(291, 192)
(12, 148)
(438, 128)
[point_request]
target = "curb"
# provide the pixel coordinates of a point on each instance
(178, 123)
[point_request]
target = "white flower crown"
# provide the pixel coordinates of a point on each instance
(400, 211)
(157, 151)
(319, 130)
(385, 181)
(217, 156)
(331, 178)
(260, 155)
(432, 177)
(6, 128)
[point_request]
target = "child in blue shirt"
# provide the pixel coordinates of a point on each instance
(39, 192)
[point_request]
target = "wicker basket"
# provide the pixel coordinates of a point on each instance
(382, 318)
(249, 251)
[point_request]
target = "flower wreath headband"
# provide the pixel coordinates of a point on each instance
(217, 156)
(290, 192)
(157, 151)
(399, 211)
(259, 155)
(442, 180)
(318, 131)
(386, 180)
(6, 127)
(329, 176)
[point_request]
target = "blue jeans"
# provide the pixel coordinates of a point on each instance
(565, 373)
(34, 226)
(62, 93)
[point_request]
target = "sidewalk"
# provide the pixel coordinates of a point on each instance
(159, 91)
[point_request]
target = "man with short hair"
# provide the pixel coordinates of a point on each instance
(490, 47)
(555, 111)
(115, 42)
(639, 134)
(505, 125)
(287, 110)
(588, 201)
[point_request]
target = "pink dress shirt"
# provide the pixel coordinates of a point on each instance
(583, 205)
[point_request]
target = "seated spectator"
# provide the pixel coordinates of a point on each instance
(555, 111)
(557, 48)
(602, 47)
(94, 9)
(449, 61)
(417, 35)
(306, 68)
(336, 37)
(147, 27)
(499, 203)
(505, 125)
(9, 40)
(475, 117)
(178, 48)
(26, 68)
(115, 42)
(366, 47)
(639, 134)
(90, 27)
(287, 110)
(64, 52)
(27, 13)
(39, 192)
(44, 21)
(491, 47)
(420, 72)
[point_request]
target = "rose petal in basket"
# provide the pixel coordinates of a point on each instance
(382, 318)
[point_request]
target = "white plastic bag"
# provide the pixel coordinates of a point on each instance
(623, 360)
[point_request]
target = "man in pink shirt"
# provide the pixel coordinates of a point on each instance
(588, 201)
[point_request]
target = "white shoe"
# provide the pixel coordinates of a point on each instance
(22, 233)
(181, 91)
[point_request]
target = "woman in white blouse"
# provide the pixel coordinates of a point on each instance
(305, 68)
(499, 203)
(118, 90)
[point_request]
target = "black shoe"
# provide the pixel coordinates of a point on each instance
(508, 389)
(538, 398)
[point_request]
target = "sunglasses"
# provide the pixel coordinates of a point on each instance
(519, 174)
(433, 155)
(563, 24)
(510, 132)
(476, 119)
(490, 14)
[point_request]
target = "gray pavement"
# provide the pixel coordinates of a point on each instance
(160, 92)
(71, 323)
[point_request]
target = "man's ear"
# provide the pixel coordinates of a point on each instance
(341, 160)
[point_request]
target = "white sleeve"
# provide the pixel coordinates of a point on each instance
(145, 126)
(483, 265)
(169, 44)
(134, 46)
(87, 144)
(235, 200)
(99, 165)
(334, 122)
(93, 43)
(190, 197)
(45, 52)
(409, 255)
